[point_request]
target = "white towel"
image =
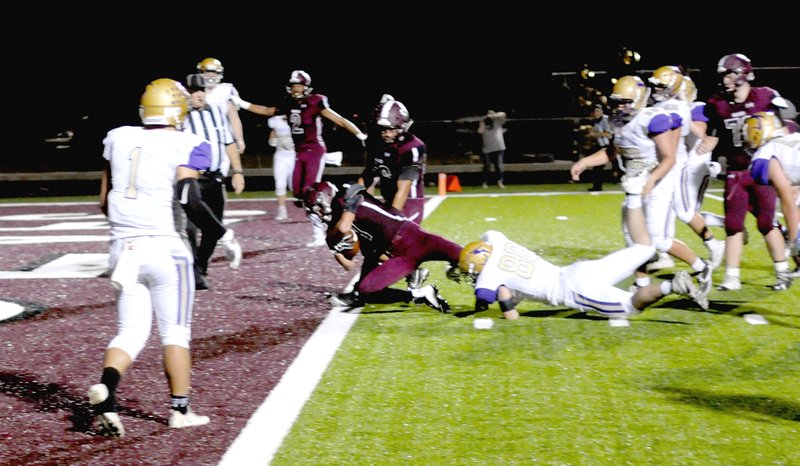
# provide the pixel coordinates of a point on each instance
(126, 272)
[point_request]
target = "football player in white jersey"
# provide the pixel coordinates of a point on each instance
(280, 137)
(507, 272)
(776, 161)
(152, 267)
(645, 144)
(667, 82)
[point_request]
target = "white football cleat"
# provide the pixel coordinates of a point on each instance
(178, 420)
(282, 214)
(730, 284)
(233, 250)
(716, 252)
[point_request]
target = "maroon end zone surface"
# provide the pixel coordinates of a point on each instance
(247, 330)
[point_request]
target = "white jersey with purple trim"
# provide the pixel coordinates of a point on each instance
(220, 95)
(520, 269)
(634, 143)
(679, 108)
(787, 150)
(143, 165)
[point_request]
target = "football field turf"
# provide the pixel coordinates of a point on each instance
(678, 386)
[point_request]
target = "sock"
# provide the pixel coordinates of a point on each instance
(782, 266)
(699, 265)
(180, 403)
(110, 379)
(732, 272)
(666, 287)
(641, 282)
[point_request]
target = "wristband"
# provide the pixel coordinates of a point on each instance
(237, 172)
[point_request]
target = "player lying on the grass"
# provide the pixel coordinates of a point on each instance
(776, 161)
(392, 245)
(507, 272)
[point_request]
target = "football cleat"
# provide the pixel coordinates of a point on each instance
(417, 278)
(104, 411)
(429, 295)
(704, 278)
(282, 214)
(784, 281)
(348, 300)
(683, 284)
(730, 284)
(178, 420)
(233, 250)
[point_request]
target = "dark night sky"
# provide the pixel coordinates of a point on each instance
(441, 67)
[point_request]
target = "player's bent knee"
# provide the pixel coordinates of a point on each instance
(663, 244)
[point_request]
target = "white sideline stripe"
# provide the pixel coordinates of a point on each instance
(260, 439)
(264, 432)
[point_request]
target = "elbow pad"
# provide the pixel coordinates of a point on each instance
(197, 211)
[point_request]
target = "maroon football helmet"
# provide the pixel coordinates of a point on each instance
(318, 198)
(736, 63)
(299, 77)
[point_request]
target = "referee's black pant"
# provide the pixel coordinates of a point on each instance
(212, 190)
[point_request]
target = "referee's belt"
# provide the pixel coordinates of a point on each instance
(214, 175)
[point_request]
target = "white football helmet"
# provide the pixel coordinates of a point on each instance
(474, 256)
(628, 97)
(666, 82)
(165, 102)
(760, 128)
(299, 77)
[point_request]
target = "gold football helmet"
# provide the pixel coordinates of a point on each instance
(474, 256)
(165, 102)
(210, 64)
(688, 90)
(628, 96)
(666, 82)
(760, 128)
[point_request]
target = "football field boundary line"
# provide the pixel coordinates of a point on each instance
(269, 425)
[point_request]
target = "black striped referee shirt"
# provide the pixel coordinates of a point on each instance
(211, 124)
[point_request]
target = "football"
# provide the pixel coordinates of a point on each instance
(346, 243)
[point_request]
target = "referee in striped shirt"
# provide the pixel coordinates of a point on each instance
(208, 122)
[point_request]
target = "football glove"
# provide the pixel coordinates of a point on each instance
(344, 244)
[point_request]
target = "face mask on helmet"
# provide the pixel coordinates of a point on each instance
(628, 97)
(760, 128)
(393, 119)
(165, 102)
(739, 65)
(473, 257)
(212, 70)
(318, 199)
(299, 85)
(666, 82)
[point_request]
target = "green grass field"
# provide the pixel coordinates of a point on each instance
(679, 386)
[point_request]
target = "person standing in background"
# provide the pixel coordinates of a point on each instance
(598, 135)
(208, 122)
(151, 264)
(280, 137)
(494, 145)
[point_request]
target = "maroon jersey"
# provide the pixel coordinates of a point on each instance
(382, 229)
(725, 120)
(305, 119)
(402, 160)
